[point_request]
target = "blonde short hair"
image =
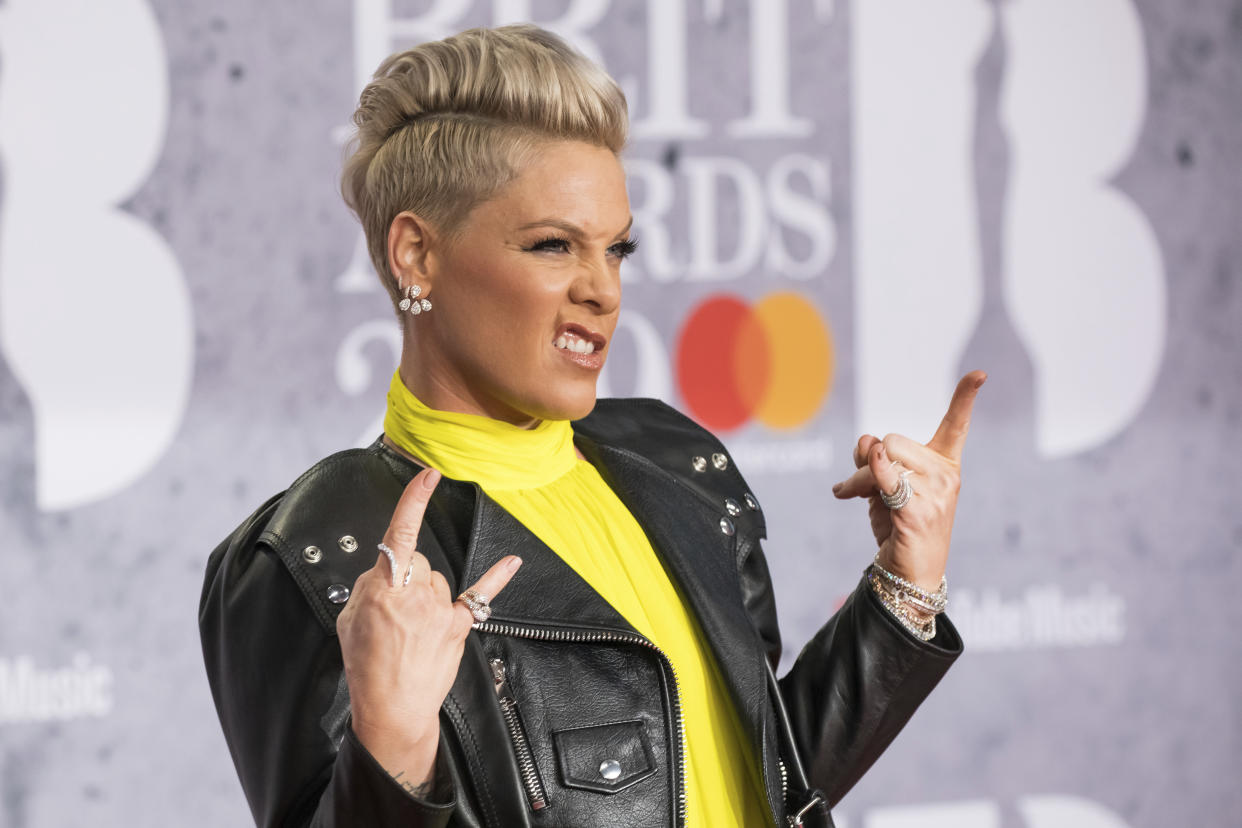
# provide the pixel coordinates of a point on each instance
(443, 126)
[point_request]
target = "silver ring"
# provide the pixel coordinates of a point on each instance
(392, 563)
(477, 603)
(898, 499)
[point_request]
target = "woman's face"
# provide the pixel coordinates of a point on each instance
(527, 288)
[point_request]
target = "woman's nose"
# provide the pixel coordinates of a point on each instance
(598, 284)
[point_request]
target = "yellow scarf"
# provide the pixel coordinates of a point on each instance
(537, 477)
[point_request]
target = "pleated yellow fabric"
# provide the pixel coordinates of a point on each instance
(536, 476)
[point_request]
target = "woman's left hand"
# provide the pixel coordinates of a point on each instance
(914, 540)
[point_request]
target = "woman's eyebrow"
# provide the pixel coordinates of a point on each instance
(571, 228)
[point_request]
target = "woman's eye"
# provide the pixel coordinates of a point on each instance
(551, 243)
(623, 249)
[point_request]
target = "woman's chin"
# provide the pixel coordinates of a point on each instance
(576, 411)
(570, 406)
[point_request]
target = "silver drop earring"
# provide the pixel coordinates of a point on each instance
(412, 303)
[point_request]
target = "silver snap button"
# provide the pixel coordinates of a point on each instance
(726, 526)
(311, 554)
(610, 769)
(338, 593)
(731, 507)
(720, 461)
(699, 463)
(348, 543)
(751, 503)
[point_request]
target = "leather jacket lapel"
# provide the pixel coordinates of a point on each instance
(545, 589)
(685, 531)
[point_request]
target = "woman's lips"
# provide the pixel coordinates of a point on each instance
(580, 346)
(593, 361)
(573, 331)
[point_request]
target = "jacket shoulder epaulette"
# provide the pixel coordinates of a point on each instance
(689, 452)
(326, 526)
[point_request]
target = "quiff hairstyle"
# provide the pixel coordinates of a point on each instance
(443, 126)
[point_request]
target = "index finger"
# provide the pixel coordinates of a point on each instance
(950, 437)
(492, 582)
(407, 519)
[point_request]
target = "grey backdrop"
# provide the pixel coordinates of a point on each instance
(1095, 579)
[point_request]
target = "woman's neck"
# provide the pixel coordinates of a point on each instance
(435, 392)
(468, 446)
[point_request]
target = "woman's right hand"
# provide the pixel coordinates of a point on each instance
(402, 644)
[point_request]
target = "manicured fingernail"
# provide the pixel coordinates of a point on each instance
(431, 479)
(979, 382)
(881, 452)
(837, 487)
(513, 564)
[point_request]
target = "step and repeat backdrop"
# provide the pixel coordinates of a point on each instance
(885, 193)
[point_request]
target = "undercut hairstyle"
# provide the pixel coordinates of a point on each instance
(444, 126)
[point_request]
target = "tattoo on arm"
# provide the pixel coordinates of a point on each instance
(421, 791)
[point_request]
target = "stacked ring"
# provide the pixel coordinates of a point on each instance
(898, 499)
(477, 603)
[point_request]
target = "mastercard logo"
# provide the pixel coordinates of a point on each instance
(771, 361)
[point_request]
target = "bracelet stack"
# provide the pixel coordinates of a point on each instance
(913, 607)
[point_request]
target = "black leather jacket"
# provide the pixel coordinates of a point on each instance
(557, 683)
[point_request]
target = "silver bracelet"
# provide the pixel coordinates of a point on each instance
(920, 629)
(905, 591)
(900, 598)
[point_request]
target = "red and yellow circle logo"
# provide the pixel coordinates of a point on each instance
(771, 361)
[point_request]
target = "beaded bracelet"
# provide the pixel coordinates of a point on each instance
(900, 597)
(924, 630)
(932, 602)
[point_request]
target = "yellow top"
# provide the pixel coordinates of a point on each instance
(536, 475)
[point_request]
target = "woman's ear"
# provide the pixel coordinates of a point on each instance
(410, 238)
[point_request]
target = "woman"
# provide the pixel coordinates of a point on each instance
(608, 657)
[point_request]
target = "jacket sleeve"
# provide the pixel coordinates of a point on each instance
(855, 684)
(278, 682)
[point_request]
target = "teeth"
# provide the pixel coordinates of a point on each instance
(571, 342)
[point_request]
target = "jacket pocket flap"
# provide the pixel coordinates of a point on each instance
(604, 758)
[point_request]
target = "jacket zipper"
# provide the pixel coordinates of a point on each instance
(587, 636)
(784, 782)
(527, 768)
